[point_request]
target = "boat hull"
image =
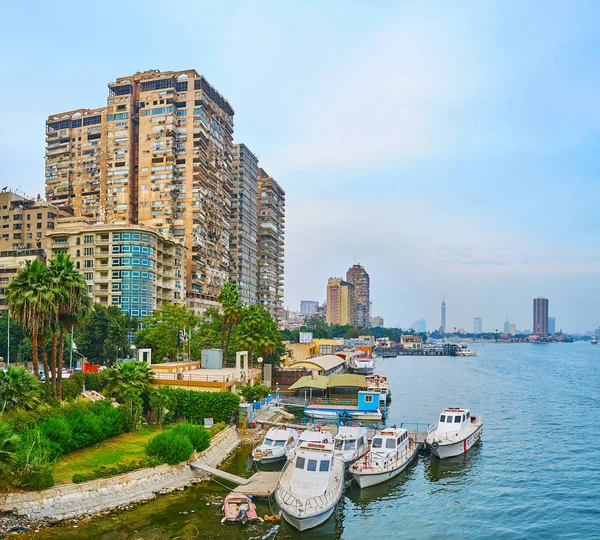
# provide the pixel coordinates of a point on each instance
(365, 480)
(367, 416)
(321, 415)
(305, 523)
(269, 459)
(448, 450)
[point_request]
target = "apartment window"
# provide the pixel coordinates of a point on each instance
(116, 300)
(88, 264)
(88, 276)
(88, 251)
(88, 238)
(39, 216)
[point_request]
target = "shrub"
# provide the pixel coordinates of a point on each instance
(59, 434)
(172, 448)
(119, 468)
(197, 435)
(217, 428)
(254, 393)
(74, 384)
(87, 429)
(33, 463)
(111, 421)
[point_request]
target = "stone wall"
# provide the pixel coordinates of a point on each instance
(88, 498)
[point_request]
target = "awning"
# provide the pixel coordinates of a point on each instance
(318, 382)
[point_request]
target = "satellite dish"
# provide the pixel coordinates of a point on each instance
(259, 359)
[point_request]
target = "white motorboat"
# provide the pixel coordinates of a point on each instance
(317, 436)
(392, 451)
(366, 415)
(378, 383)
(321, 415)
(310, 485)
(351, 443)
(466, 352)
(455, 433)
(277, 442)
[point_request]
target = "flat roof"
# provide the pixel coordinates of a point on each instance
(347, 379)
(318, 382)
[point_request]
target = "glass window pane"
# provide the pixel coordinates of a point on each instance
(300, 462)
(312, 465)
(324, 466)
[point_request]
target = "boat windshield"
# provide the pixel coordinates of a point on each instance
(344, 444)
(279, 443)
(390, 443)
(348, 445)
(377, 442)
(268, 442)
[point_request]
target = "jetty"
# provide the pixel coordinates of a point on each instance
(261, 484)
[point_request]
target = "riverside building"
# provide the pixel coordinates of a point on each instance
(359, 277)
(243, 249)
(158, 154)
(134, 267)
(271, 244)
(540, 317)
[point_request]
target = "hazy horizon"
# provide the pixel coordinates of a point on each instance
(449, 149)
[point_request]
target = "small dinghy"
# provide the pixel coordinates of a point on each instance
(239, 507)
(455, 433)
(277, 442)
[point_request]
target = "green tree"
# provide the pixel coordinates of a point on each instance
(232, 313)
(31, 303)
(8, 444)
(162, 331)
(16, 337)
(19, 389)
(72, 305)
(257, 332)
(127, 381)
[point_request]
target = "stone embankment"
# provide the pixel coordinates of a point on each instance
(89, 498)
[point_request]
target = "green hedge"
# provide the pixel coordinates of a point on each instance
(191, 406)
(177, 445)
(106, 471)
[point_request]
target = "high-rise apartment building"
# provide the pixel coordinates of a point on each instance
(271, 243)
(159, 154)
(131, 266)
(540, 317)
(512, 329)
(551, 326)
(377, 322)
(477, 325)
(443, 326)
(419, 326)
(243, 248)
(341, 303)
(308, 307)
(358, 276)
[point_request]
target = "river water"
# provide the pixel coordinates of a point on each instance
(536, 473)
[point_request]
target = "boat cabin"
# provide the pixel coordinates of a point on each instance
(350, 438)
(276, 437)
(317, 436)
(368, 400)
(311, 469)
(454, 419)
(389, 440)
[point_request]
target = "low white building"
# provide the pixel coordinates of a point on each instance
(411, 342)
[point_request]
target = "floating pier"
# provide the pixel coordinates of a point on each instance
(260, 484)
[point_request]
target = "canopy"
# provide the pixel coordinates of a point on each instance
(347, 379)
(318, 382)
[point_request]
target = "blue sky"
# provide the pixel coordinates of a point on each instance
(449, 149)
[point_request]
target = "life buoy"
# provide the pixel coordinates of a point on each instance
(319, 400)
(336, 401)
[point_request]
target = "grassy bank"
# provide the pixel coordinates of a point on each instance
(123, 448)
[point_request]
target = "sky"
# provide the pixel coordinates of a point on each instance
(451, 149)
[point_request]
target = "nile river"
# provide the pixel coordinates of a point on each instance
(536, 473)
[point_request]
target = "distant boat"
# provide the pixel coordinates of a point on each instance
(594, 341)
(361, 365)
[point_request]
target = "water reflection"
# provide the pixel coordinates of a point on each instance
(454, 470)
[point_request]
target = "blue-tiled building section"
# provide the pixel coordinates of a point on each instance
(133, 262)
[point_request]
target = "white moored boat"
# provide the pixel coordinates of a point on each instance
(351, 443)
(310, 485)
(277, 442)
(455, 433)
(316, 436)
(392, 451)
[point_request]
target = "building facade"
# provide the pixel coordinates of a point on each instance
(551, 326)
(419, 326)
(477, 325)
(271, 244)
(24, 223)
(359, 277)
(243, 247)
(159, 154)
(131, 266)
(377, 322)
(341, 304)
(308, 307)
(540, 317)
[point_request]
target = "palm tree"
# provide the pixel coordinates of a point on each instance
(232, 313)
(127, 381)
(19, 389)
(73, 306)
(8, 444)
(257, 331)
(30, 298)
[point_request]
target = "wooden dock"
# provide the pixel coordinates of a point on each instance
(260, 484)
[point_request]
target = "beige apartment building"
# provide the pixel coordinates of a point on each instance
(359, 277)
(341, 303)
(159, 154)
(24, 223)
(131, 266)
(271, 244)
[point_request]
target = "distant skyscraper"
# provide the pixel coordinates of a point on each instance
(477, 325)
(443, 315)
(376, 322)
(308, 307)
(341, 304)
(506, 326)
(419, 326)
(512, 330)
(551, 325)
(540, 317)
(358, 276)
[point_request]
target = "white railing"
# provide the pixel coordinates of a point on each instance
(389, 462)
(317, 502)
(183, 376)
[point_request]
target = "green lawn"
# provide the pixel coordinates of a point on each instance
(122, 448)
